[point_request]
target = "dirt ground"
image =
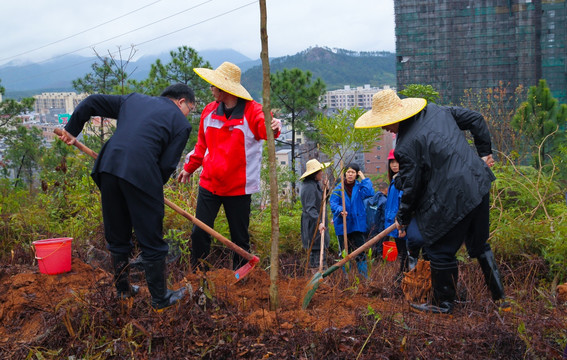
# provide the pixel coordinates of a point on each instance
(77, 314)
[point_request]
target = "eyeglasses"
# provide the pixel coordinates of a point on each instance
(190, 106)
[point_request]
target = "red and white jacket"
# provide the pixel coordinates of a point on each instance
(230, 150)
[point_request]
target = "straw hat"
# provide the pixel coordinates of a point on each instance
(388, 108)
(313, 166)
(226, 77)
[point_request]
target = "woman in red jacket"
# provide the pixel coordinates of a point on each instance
(229, 148)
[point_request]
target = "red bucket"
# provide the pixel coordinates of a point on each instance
(53, 255)
(389, 251)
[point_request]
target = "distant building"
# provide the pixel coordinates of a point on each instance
(283, 159)
(455, 45)
(347, 97)
(50, 104)
(375, 161)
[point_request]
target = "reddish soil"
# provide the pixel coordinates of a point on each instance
(76, 314)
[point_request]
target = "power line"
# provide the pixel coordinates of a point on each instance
(198, 23)
(79, 33)
(126, 33)
(138, 44)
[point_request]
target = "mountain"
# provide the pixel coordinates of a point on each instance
(336, 67)
(27, 79)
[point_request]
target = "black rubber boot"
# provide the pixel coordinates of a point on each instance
(493, 279)
(402, 255)
(121, 268)
(444, 282)
(162, 297)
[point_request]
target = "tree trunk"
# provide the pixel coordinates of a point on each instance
(274, 253)
(293, 158)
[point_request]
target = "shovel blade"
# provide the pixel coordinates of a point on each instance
(244, 270)
(310, 289)
(313, 285)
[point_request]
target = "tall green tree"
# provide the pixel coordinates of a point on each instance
(10, 110)
(179, 69)
(296, 96)
(109, 76)
(340, 140)
(10, 134)
(426, 92)
(540, 118)
(102, 80)
(23, 154)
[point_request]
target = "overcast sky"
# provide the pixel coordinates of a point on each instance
(38, 30)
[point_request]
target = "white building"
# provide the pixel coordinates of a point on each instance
(348, 97)
(63, 102)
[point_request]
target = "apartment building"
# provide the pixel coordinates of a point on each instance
(347, 97)
(54, 103)
(456, 45)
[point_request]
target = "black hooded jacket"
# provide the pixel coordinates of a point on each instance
(443, 177)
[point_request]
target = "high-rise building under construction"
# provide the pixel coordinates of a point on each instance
(454, 45)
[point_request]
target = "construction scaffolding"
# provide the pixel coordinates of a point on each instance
(456, 45)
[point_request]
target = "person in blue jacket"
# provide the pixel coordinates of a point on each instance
(392, 205)
(130, 171)
(355, 192)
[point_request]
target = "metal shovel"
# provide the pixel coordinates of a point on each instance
(313, 284)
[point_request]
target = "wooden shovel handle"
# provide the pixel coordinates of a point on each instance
(77, 143)
(365, 246)
(323, 220)
(210, 231)
(176, 208)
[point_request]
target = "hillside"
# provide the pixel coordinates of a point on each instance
(27, 79)
(336, 67)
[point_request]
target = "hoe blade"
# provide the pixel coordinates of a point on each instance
(244, 270)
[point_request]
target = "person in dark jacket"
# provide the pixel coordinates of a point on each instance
(446, 184)
(355, 192)
(312, 221)
(130, 171)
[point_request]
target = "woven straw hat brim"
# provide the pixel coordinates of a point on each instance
(378, 118)
(318, 166)
(218, 80)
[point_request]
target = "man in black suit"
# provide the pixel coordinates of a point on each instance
(130, 171)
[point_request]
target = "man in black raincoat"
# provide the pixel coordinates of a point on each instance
(446, 186)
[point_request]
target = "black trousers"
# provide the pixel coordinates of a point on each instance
(473, 230)
(124, 207)
(237, 209)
